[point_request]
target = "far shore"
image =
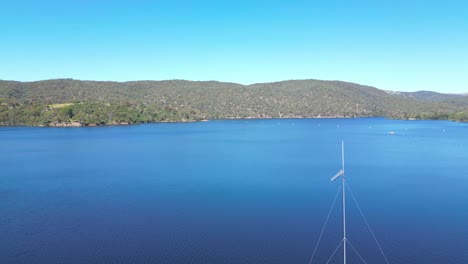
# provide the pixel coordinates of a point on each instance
(78, 124)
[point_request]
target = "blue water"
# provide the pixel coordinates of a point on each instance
(254, 191)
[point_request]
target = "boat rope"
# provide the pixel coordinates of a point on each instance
(357, 253)
(368, 226)
(336, 249)
(325, 224)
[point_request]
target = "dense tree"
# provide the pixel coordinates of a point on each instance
(67, 101)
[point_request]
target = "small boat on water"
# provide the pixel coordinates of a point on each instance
(391, 133)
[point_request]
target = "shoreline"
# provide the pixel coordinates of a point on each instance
(115, 124)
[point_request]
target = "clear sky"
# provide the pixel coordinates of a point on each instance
(397, 45)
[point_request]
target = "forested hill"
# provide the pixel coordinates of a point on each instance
(64, 102)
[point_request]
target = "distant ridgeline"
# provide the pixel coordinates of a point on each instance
(67, 102)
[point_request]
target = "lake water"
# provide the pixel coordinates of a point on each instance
(242, 191)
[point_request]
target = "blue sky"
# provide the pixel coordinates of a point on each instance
(397, 45)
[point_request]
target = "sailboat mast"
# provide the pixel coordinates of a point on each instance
(344, 202)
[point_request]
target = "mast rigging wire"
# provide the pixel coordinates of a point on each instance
(368, 226)
(325, 224)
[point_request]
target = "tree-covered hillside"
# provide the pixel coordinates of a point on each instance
(73, 102)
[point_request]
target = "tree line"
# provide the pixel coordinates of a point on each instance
(66, 101)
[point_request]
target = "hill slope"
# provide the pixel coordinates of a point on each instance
(67, 101)
(428, 96)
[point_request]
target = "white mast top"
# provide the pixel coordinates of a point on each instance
(342, 157)
(344, 240)
(344, 203)
(342, 174)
